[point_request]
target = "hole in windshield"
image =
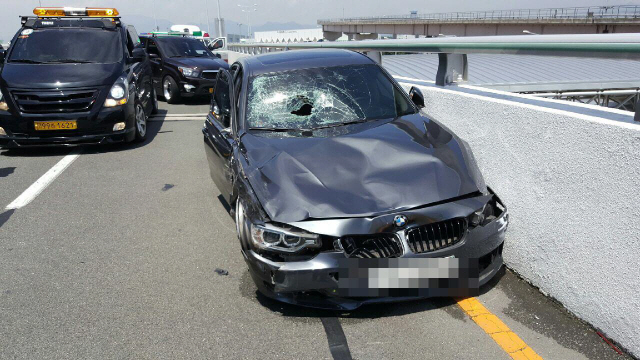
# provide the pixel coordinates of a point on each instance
(321, 97)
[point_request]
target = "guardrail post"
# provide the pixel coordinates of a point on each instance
(452, 68)
(636, 117)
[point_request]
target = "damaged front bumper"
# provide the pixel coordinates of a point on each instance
(316, 282)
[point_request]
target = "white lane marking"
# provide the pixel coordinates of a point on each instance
(177, 115)
(37, 187)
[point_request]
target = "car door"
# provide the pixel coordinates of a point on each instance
(218, 136)
(142, 71)
(155, 58)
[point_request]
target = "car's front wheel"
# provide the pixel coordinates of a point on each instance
(170, 90)
(141, 123)
(241, 224)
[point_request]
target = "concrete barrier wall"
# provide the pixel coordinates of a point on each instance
(572, 185)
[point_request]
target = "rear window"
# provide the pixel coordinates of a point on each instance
(67, 46)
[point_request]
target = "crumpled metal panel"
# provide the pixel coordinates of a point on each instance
(377, 167)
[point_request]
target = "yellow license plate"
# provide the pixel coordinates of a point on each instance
(210, 90)
(56, 125)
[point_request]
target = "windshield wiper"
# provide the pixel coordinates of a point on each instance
(341, 124)
(276, 129)
(68, 61)
(26, 61)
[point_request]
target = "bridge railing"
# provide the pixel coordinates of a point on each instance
(452, 51)
(590, 12)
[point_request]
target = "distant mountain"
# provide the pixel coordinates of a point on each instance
(271, 26)
(146, 23)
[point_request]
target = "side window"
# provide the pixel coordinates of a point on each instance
(221, 100)
(133, 34)
(152, 49)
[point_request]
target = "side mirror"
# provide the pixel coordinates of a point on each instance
(224, 114)
(416, 96)
(138, 55)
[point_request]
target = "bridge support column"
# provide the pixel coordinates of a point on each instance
(452, 68)
(331, 35)
(371, 36)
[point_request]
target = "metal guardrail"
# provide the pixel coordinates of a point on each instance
(452, 51)
(592, 45)
(591, 12)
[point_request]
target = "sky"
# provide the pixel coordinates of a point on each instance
(281, 11)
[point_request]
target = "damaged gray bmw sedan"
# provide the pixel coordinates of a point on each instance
(343, 192)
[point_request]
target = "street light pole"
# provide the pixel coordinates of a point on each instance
(219, 21)
(206, 5)
(248, 16)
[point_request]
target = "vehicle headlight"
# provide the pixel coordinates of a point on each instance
(3, 103)
(119, 93)
(189, 72)
(288, 240)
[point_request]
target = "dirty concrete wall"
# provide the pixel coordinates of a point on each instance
(572, 186)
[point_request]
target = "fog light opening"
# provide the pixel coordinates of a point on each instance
(2, 132)
(118, 126)
(188, 87)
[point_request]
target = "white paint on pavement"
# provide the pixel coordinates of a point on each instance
(37, 187)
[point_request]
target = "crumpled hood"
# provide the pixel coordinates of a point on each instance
(400, 164)
(202, 63)
(49, 76)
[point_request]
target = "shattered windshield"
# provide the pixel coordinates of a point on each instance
(320, 97)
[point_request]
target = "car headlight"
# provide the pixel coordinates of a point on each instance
(3, 103)
(288, 240)
(119, 93)
(189, 72)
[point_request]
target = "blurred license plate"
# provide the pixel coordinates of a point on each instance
(210, 90)
(56, 125)
(408, 277)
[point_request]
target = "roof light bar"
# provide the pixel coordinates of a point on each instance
(71, 11)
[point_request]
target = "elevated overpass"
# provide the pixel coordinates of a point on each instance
(576, 20)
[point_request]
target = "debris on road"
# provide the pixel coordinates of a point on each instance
(167, 187)
(221, 271)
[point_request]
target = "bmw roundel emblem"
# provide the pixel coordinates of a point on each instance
(400, 220)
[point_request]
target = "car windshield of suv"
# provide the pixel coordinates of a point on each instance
(67, 46)
(184, 47)
(323, 97)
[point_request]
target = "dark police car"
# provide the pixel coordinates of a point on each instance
(182, 66)
(73, 76)
(345, 193)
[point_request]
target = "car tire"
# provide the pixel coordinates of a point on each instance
(170, 90)
(154, 102)
(140, 123)
(241, 224)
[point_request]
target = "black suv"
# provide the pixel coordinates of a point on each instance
(182, 66)
(73, 76)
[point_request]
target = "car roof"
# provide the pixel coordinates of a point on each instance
(301, 59)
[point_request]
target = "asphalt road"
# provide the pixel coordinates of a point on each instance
(117, 259)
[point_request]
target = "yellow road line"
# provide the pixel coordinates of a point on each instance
(499, 332)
